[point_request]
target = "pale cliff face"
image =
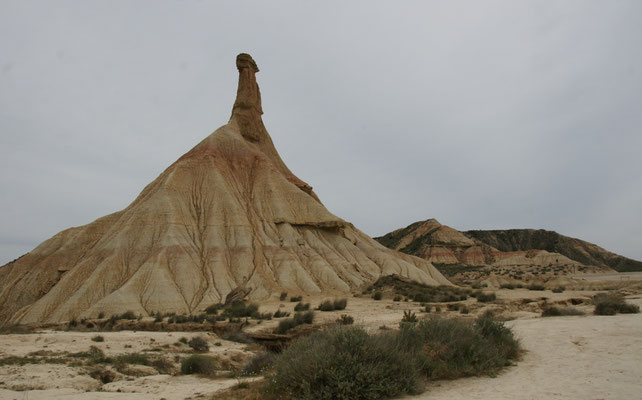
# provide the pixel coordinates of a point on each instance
(227, 214)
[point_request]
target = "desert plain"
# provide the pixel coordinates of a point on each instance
(564, 357)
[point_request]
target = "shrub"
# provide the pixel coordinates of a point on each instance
(331, 305)
(344, 363)
(377, 295)
(559, 289)
(456, 348)
(340, 304)
(281, 314)
(558, 311)
(345, 320)
(397, 298)
(101, 315)
(509, 286)
(198, 364)
(236, 336)
(299, 318)
(484, 297)
(304, 317)
(214, 308)
(612, 303)
(409, 317)
(300, 306)
(103, 375)
(534, 286)
(259, 364)
(238, 309)
(294, 299)
(464, 310)
(98, 338)
(199, 344)
(283, 296)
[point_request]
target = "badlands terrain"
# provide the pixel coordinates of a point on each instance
(191, 291)
(565, 357)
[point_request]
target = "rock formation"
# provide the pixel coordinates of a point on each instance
(539, 239)
(228, 214)
(511, 253)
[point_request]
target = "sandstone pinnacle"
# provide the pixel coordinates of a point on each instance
(226, 217)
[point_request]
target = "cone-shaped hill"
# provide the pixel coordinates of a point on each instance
(228, 214)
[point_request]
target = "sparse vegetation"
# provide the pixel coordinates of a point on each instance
(332, 305)
(259, 364)
(559, 289)
(345, 320)
(199, 344)
(281, 314)
(283, 296)
(349, 363)
(300, 306)
(236, 336)
(409, 317)
(613, 303)
(560, 311)
(199, 364)
(415, 291)
(98, 338)
(295, 299)
(535, 286)
(484, 297)
(299, 318)
(377, 295)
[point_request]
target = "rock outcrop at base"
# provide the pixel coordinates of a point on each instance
(228, 214)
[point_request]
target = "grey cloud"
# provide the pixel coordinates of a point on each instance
(493, 114)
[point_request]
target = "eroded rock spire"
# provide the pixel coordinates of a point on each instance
(247, 108)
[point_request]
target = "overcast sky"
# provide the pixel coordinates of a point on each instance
(482, 114)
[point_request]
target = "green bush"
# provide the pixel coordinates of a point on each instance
(409, 317)
(484, 297)
(612, 303)
(238, 309)
(348, 363)
(214, 308)
(299, 318)
(553, 311)
(259, 364)
(455, 348)
(199, 344)
(199, 364)
(236, 336)
(344, 364)
(332, 305)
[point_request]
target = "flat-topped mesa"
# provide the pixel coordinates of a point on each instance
(247, 109)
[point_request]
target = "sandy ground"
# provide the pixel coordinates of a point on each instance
(585, 357)
(589, 357)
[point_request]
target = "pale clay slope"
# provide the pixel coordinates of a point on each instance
(227, 214)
